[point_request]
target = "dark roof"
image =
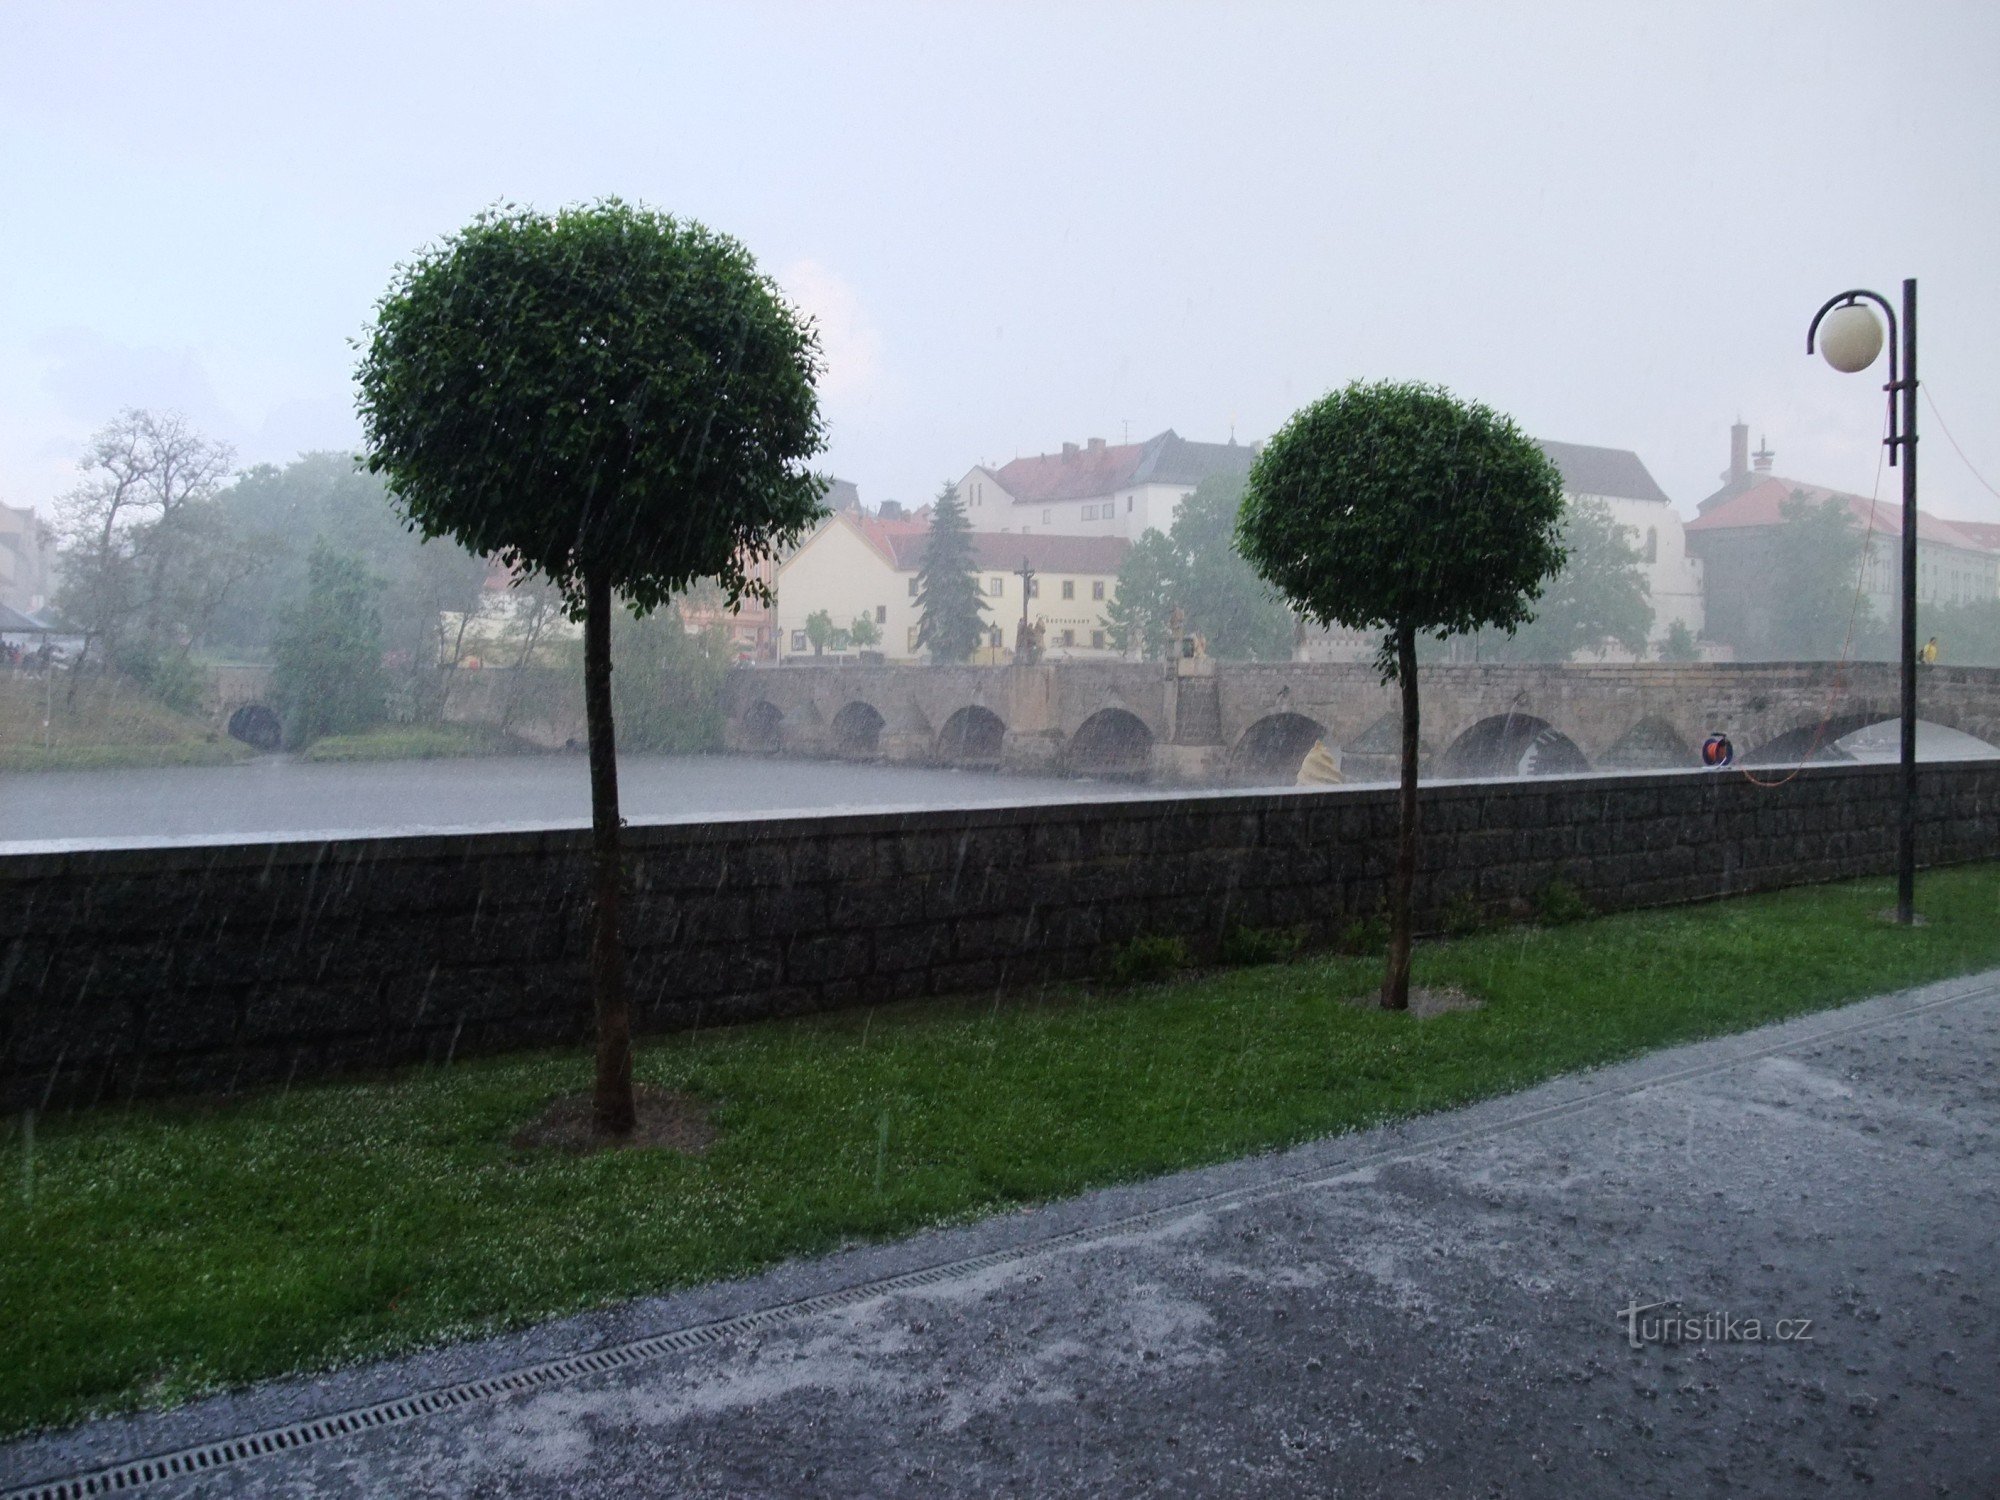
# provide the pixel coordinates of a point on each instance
(841, 494)
(1083, 472)
(14, 622)
(1172, 459)
(1615, 472)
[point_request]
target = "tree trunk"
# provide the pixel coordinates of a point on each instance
(1396, 984)
(613, 1096)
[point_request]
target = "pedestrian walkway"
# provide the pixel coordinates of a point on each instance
(1758, 1265)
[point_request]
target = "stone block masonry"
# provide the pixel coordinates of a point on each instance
(200, 969)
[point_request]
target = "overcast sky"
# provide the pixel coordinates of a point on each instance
(1022, 225)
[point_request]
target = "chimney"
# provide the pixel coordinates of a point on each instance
(892, 510)
(1097, 445)
(1761, 459)
(1739, 451)
(1069, 450)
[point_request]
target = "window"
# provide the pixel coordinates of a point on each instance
(913, 637)
(1069, 637)
(881, 614)
(1652, 544)
(798, 640)
(1069, 588)
(1097, 639)
(996, 588)
(1128, 505)
(1034, 588)
(913, 585)
(1097, 588)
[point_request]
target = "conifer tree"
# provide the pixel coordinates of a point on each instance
(948, 600)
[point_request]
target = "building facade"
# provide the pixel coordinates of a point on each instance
(858, 565)
(1641, 509)
(1097, 489)
(27, 560)
(1736, 536)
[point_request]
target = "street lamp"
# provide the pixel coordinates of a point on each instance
(1850, 339)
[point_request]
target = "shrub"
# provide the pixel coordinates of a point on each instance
(1559, 903)
(1261, 945)
(1462, 914)
(1145, 960)
(1365, 935)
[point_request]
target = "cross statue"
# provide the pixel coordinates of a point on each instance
(1027, 576)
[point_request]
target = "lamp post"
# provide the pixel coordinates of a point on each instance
(1850, 338)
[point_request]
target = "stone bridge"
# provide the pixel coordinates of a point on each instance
(1253, 722)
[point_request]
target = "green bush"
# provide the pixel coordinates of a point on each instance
(1247, 946)
(1559, 903)
(1462, 914)
(1147, 959)
(1365, 935)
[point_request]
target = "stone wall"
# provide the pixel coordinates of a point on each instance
(191, 969)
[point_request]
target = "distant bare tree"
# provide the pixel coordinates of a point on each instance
(146, 556)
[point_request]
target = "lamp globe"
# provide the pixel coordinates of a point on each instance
(1850, 337)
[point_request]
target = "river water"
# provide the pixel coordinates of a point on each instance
(279, 796)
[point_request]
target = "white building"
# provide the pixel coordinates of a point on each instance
(1095, 489)
(1641, 508)
(27, 555)
(861, 565)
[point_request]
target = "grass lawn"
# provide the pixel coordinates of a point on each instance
(416, 742)
(149, 1254)
(111, 723)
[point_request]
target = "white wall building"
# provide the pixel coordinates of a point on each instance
(857, 564)
(1651, 524)
(1096, 489)
(27, 557)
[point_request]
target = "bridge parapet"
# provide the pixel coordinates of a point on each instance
(1138, 718)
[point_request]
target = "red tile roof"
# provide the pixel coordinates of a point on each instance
(1762, 505)
(1080, 474)
(1986, 533)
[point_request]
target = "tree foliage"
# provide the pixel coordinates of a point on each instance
(1402, 509)
(1679, 644)
(1196, 566)
(147, 558)
(949, 602)
(326, 657)
(863, 632)
(1395, 507)
(1597, 599)
(616, 400)
(820, 631)
(1818, 611)
(603, 391)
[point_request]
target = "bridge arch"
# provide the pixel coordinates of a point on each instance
(1652, 744)
(972, 737)
(856, 731)
(1512, 744)
(256, 726)
(1273, 747)
(764, 728)
(1111, 742)
(1811, 741)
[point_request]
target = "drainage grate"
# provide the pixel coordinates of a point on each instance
(117, 1478)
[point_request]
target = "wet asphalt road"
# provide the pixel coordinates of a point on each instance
(1428, 1310)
